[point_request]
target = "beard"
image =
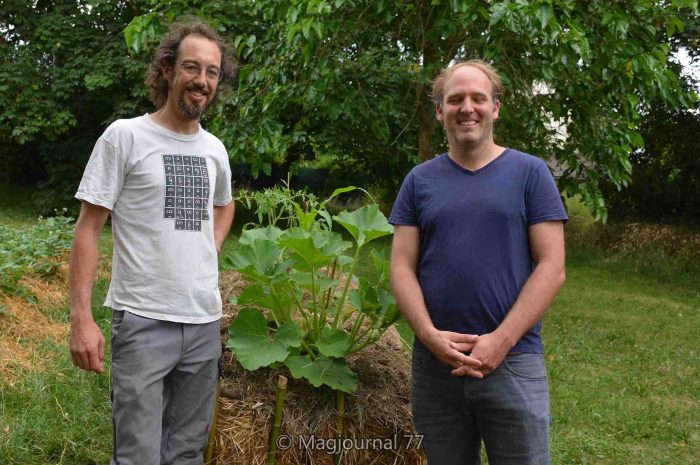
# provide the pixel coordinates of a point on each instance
(192, 111)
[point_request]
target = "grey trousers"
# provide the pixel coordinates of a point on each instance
(164, 379)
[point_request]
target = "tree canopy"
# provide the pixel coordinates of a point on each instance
(348, 80)
(65, 74)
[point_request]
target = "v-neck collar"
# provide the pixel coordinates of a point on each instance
(483, 168)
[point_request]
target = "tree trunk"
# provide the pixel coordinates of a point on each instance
(429, 45)
(426, 121)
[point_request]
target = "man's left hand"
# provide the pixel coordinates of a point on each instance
(490, 349)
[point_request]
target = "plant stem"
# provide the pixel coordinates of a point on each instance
(209, 453)
(356, 327)
(332, 277)
(367, 341)
(327, 300)
(308, 349)
(314, 307)
(300, 307)
(277, 420)
(340, 415)
(272, 312)
(341, 303)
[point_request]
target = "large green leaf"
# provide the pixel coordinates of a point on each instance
(258, 295)
(390, 312)
(322, 283)
(333, 342)
(305, 249)
(331, 372)
(380, 258)
(252, 345)
(313, 249)
(251, 235)
(261, 259)
(365, 224)
(365, 299)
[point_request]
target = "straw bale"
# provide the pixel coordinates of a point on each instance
(377, 415)
(377, 426)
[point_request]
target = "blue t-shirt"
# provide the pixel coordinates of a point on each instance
(474, 246)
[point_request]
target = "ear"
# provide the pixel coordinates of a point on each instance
(496, 109)
(439, 114)
(167, 71)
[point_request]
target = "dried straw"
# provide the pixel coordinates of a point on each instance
(378, 426)
(23, 325)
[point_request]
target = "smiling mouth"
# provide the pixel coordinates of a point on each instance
(467, 123)
(197, 93)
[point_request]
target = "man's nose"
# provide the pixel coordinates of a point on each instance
(467, 106)
(202, 76)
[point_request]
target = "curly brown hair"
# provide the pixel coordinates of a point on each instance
(166, 54)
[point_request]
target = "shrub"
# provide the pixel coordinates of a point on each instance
(37, 249)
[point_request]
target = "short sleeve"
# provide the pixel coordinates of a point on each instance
(404, 210)
(222, 188)
(542, 200)
(103, 178)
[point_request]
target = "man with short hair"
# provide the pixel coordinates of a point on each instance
(477, 258)
(167, 184)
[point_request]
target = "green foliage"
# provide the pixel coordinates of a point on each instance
(350, 79)
(302, 278)
(281, 204)
(35, 249)
(252, 343)
(66, 73)
(276, 204)
(665, 184)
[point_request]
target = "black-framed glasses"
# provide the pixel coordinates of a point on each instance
(193, 69)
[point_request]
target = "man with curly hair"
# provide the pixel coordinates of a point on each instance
(167, 184)
(477, 257)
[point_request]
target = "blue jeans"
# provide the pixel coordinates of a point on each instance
(508, 410)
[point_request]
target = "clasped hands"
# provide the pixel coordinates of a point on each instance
(487, 352)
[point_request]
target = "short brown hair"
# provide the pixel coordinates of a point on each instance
(438, 93)
(166, 54)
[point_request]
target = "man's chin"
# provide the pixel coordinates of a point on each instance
(193, 112)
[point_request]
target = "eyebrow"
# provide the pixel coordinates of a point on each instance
(193, 62)
(473, 94)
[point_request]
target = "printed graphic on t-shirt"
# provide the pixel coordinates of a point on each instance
(186, 191)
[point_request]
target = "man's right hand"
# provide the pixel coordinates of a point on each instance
(449, 348)
(87, 346)
(87, 343)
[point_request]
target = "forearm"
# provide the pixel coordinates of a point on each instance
(447, 346)
(533, 302)
(83, 267)
(223, 218)
(409, 298)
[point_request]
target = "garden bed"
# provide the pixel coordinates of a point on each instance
(378, 428)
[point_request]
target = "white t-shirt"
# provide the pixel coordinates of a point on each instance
(161, 188)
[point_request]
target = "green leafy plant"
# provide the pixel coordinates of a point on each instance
(277, 204)
(306, 307)
(36, 249)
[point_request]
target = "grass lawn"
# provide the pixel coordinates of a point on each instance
(621, 346)
(624, 366)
